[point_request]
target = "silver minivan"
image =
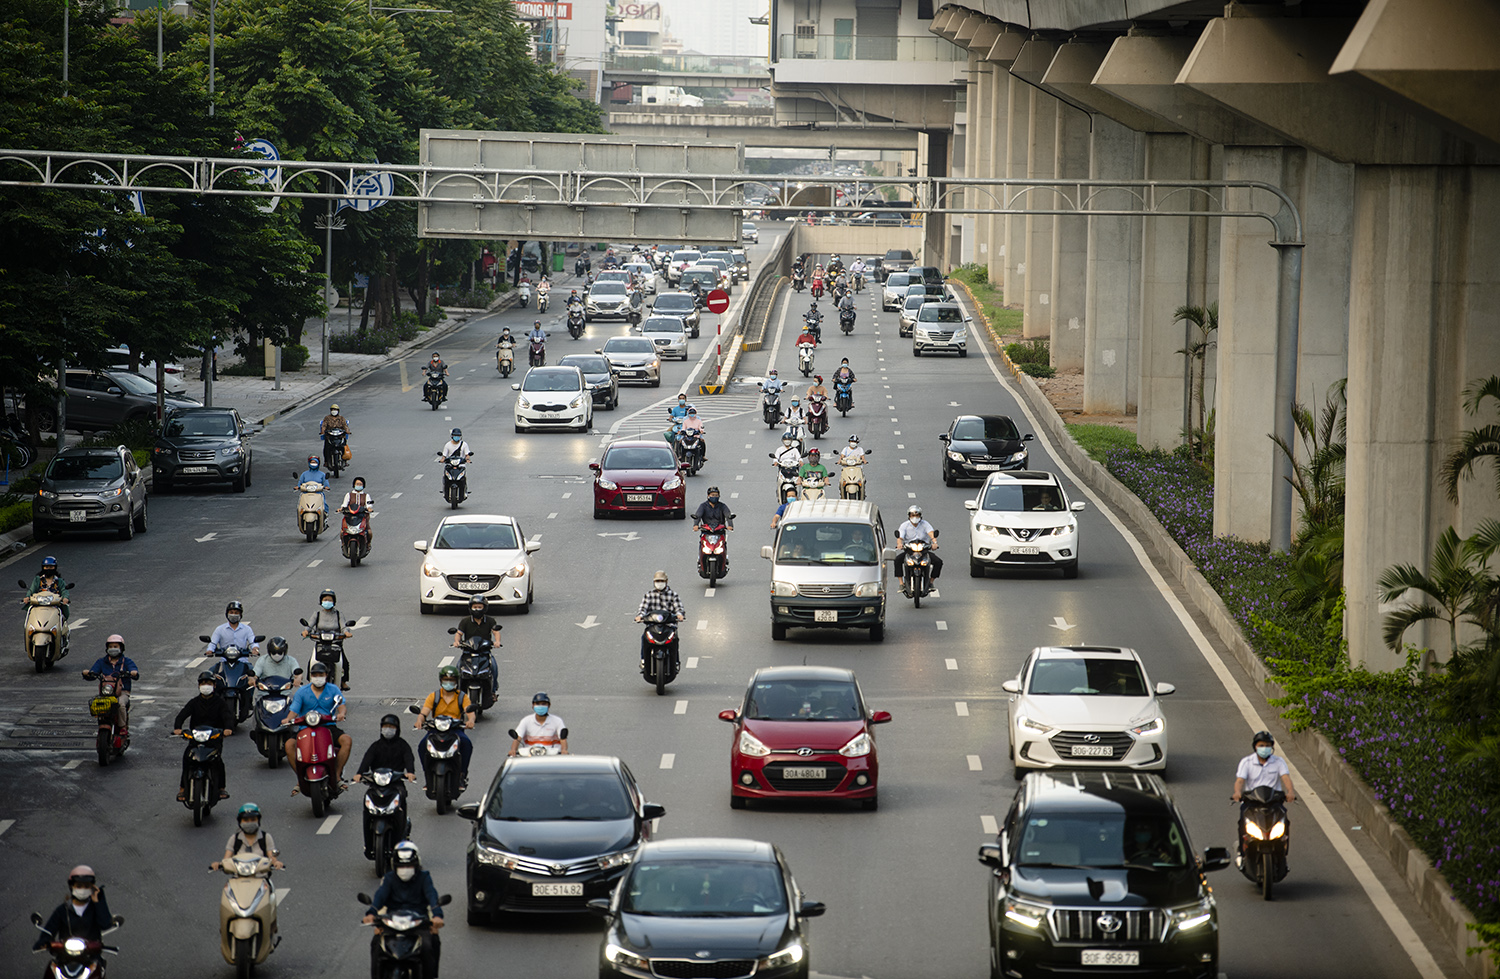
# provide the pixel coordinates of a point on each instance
(828, 568)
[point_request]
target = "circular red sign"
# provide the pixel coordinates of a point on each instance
(717, 301)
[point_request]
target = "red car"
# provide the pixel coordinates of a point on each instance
(638, 476)
(804, 733)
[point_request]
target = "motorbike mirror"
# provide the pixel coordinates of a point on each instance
(452, 632)
(1077, 505)
(730, 715)
(1162, 689)
(880, 717)
(766, 551)
(990, 855)
(1011, 686)
(1027, 437)
(36, 919)
(348, 624)
(420, 545)
(971, 504)
(563, 734)
(1215, 858)
(813, 909)
(653, 811)
(513, 734)
(303, 621)
(413, 709)
(935, 534)
(469, 811)
(295, 474)
(118, 920)
(732, 515)
(599, 905)
(364, 899)
(260, 638)
(205, 638)
(532, 546)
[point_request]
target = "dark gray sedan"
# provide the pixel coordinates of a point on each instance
(600, 379)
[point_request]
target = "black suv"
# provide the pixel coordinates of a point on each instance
(202, 445)
(90, 489)
(1094, 872)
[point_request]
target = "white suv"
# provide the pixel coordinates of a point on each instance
(940, 327)
(1023, 519)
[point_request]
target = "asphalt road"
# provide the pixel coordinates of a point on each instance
(904, 892)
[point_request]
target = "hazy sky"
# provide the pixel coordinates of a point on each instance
(718, 26)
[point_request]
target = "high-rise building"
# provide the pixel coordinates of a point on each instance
(720, 27)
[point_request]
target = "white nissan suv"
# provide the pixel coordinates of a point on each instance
(1022, 519)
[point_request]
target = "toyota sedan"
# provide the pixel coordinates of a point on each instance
(638, 476)
(475, 554)
(669, 335)
(633, 359)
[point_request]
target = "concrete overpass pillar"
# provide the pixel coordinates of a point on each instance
(1018, 132)
(1070, 242)
(1112, 301)
(993, 225)
(978, 137)
(1424, 324)
(935, 163)
(1041, 164)
(1166, 260)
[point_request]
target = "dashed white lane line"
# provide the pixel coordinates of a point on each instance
(692, 662)
(962, 706)
(328, 825)
(567, 496)
(952, 664)
(668, 760)
(278, 593)
(897, 432)
(70, 765)
(740, 476)
(942, 625)
(315, 562)
(989, 825)
(193, 664)
(395, 496)
(900, 446)
(903, 462)
(6, 824)
(449, 418)
(681, 707)
(702, 624)
(445, 661)
(906, 476)
(911, 496)
(749, 445)
(974, 765)
(418, 475)
(551, 516)
(710, 592)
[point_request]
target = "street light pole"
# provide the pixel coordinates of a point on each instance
(212, 6)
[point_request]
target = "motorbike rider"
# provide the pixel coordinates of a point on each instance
(846, 304)
(481, 623)
(318, 695)
(449, 701)
(250, 837)
(813, 469)
(712, 513)
(407, 886)
(789, 456)
(852, 454)
(541, 726)
(772, 383)
(1261, 767)
(233, 632)
(83, 914)
(537, 334)
(661, 598)
(314, 474)
(435, 363)
(48, 579)
(332, 422)
(358, 499)
(692, 423)
(791, 497)
(278, 661)
(114, 662)
(328, 618)
(915, 528)
(456, 446)
(795, 418)
(808, 336)
(845, 375)
(390, 751)
(816, 389)
(857, 270)
(208, 709)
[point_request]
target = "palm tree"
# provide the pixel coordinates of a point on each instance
(1206, 319)
(1319, 481)
(1458, 586)
(1475, 443)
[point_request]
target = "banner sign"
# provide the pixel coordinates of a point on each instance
(542, 9)
(638, 11)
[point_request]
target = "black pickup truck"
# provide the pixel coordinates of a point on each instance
(895, 260)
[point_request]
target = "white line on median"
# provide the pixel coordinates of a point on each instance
(552, 516)
(395, 496)
(710, 592)
(942, 625)
(315, 562)
(6, 824)
(193, 664)
(418, 476)
(445, 661)
(702, 624)
(70, 765)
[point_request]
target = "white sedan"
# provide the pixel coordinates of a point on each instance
(1086, 707)
(475, 554)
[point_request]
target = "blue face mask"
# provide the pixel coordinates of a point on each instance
(328, 605)
(1263, 750)
(541, 709)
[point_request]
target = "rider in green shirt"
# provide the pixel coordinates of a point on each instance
(812, 469)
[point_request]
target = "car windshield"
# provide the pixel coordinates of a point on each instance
(941, 314)
(995, 427)
(897, 280)
(675, 300)
(525, 796)
(628, 345)
(199, 425)
(1015, 497)
(639, 457)
(588, 363)
(688, 257)
(912, 302)
(1084, 676)
(134, 383)
(101, 466)
(662, 324)
(1102, 839)
(803, 700)
(718, 257)
(550, 381)
(899, 254)
(706, 276)
(476, 536)
(614, 275)
(608, 289)
(695, 888)
(826, 543)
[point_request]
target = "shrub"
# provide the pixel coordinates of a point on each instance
(1033, 351)
(478, 298)
(294, 357)
(407, 325)
(373, 341)
(139, 433)
(1038, 370)
(13, 515)
(432, 318)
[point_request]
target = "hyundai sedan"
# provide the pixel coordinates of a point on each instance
(803, 732)
(638, 476)
(475, 554)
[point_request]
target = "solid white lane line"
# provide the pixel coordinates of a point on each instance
(278, 593)
(692, 662)
(974, 765)
(988, 824)
(328, 825)
(315, 562)
(70, 765)
(395, 496)
(6, 824)
(962, 706)
(445, 661)
(952, 664)
(942, 625)
(681, 707)
(668, 759)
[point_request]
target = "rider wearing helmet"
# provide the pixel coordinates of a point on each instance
(448, 701)
(84, 913)
(541, 726)
(279, 661)
(789, 456)
(390, 750)
(915, 528)
(250, 837)
(852, 454)
(661, 598)
(1262, 767)
(333, 422)
(328, 618)
(314, 474)
(480, 623)
(813, 470)
(114, 662)
(435, 363)
(407, 886)
(233, 632)
(712, 513)
(48, 579)
(323, 697)
(537, 334)
(772, 383)
(207, 709)
(816, 389)
(456, 446)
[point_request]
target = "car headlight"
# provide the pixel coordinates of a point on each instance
(959, 336)
(790, 955)
(431, 570)
(1016, 456)
(576, 402)
(1193, 915)
(1153, 726)
(672, 483)
(111, 493)
(521, 401)
(161, 450)
(1279, 830)
(867, 589)
(752, 746)
(611, 860)
(1025, 915)
(985, 528)
(606, 484)
(615, 955)
(783, 589)
(858, 746)
(230, 450)
(517, 570)
(1033, 726)
(46, 494)
(957, 456)
(496, 858)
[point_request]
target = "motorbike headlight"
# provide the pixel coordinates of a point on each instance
(431, 570)
(752, 746)
(1254, 830)
(382, 778)
(790, 955)
(201, 736)
(496, 858)
(957, 456)
(672, 483)
(867, 589)
(1153, 726)
(1279, 830)
(75, 946)
(517, 570)
(1031, 726)
(783, 589)
(619, 859)
(1025, 915)
(276, 707)
(606, 484)
(442, 723)
(615, 955)
(1193, 915)
(380, 810)
(858, 746)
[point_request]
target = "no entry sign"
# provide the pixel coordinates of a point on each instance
(717, 301)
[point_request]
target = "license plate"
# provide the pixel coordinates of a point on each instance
(1026, 550)
(77, 516)
(813, 773)
(637, 497)
(1110, 956)
(632, 373)
(825, 615)
(557, 890)
(987, 467)
(1093, 751)
(472, 586)
(194, 469)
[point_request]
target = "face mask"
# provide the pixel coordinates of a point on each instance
(450, 685)
(915, 521)
(659, 585)
(250, 827)
(406, 873)
(328, 604)
(714, 498)
(541, 709)
(82, 893)
(234, 618)
(335, 411)
(1263, 750)
(359, 487)
(205, 688)
(114, 653)
(277, 657)
(388, 733)
(318, 681)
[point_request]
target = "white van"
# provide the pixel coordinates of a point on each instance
(828, 567)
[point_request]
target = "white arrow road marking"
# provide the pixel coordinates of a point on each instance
(589, 622)
(79, 624)
(6, 824)
(328, 825)
(363, 621)
(632, 535)
(962, 706)
(681, 707)
(278, 593)
(988, 824)
(974, 765)
(952, 664)
(1062, 624)
(206, 537)
(692, 662)
(668, 759)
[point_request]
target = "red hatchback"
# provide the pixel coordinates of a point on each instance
(804, 733)
(638, 476)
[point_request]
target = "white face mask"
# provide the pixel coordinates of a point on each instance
(659, 585)
(915, 520)
(205, 688)
(318, 681)
(406, 873)
(82, 893)
(277, 657)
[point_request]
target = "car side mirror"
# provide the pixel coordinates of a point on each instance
(1077, 506)
(652, 810)
(990, 855)
(1215, 858)
(469, 811)
(813, 909)
(516, 386)
(1011, 686)
(971, 504)
(945, 437)
(889, 554)
(1027, 437)
(419, 545)
(117, 392)
(766, 551)
(364, 898)
(880, 717)
(532, 546)
(730, 715)
(1162, 689)
(599, 905)
(594, 466)
(205, 638)
(598, 350)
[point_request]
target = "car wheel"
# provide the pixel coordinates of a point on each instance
(599, 514)
(240, 483)
(871, 804)
(656, 383)
(427, 608)
(948, 477)
(42, 531)
(249, 473)
(1070, 570)
(476, 918)
(127, 529)
(916, 351)
(778, 631)
(518, 429)
(976, 567)
(877, 632)
(140, 519)
(738, 802)
(963, 351)
(526, 609)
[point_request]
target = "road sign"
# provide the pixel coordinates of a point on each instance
(717, 301)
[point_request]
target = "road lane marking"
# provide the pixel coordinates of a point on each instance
(988, 824)
(740, 476)
(710, 592)
(952, 664)
(668, 759)
(193, 664)
(418, 476)
(552, 516)
(942, 625)
(278, 593)
(974, 765)
(749, 445)
(445, 661)
(567, 496)
(744, 462)
(906, 476)
(895, 432)
(962, 706)
(692, 662)
(702, 624)
(362, 622)
(681, 707)
(315, 562)
(589, 623)
(911, 496)
(734, 496)
(79, 624)
(328, 825)
(395, 496)
(6, 824)
(900, 446)
(70, 765)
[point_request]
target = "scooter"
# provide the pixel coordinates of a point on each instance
(814, 487)
(538, 353)
(846, 321)
(76, 958)
(1265, 838)
(916, 579)
(273, 718)
(799, 280)
(852, 481)
(113, 737)
(455, 480)
(442, 763)
(859, 281)
(476, 677)
(403, 934)
(525, 295)
(234, 678)
(690, 450)
(843, 397)
(312, 519)
(660, 664)
(333, 451)
(786, 479)
(536, 749)
(354, 534)
(543, 300)
(817, 417)
(315, 753)
(247, 912)
(203, 787)
(817, 288)
(46, 634)
(713, 559)
(432, 388)
(576, 322)
(386, 820)
(328, 649)
(805, 359)
(770, 408)
(505, 357)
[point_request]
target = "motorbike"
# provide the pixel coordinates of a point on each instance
(204, 745)
(386, 821)
(846, 320)
(442, 763)
(576, 322)
(916, 562)
(455, 480)
(272, 718)
(770, 408)
(476, 675)
(328, 649)
(839, 292)
(315, 754)
(403, 933)
(817, 417)
(713, 559)
(843, 397)
(15, 444)
(525, 295)
(852, 481)
(813, 323)
(354, 534)
(786, 479)
(817, 288)
(690, 450)
(46, 637)
(536, 749)
(333, 451)
(1265, 838)
(805, 359)
(247, 912)
(76, 958)
(538, 353)
(505, 357)
(433, 388)
(859, 281)
(112, 739)
(543, 300)
(234, 678)
(660, 664)
(799, 281)
(312, 519)
(814, 487)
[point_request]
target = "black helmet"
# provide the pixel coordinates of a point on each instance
(456, 434)
(712, 490)
(318, 666)
(390, 720)
(207, 677)
(478, 600)
(234, 607)
(541, 698)
(328, 593)
(277, 645)
(407, 855)
(1260, 736)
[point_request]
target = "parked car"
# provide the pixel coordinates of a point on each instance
(174, 378)
(633, 360)
(976, 445)
(202, 445)
(679, 304)
(100, 400)
(894, 260)
(470, 554)
(668, 333)
(90, 489)
(552, 833)
(601, 380)
(638, 476)
(940, 327)
(749, 232)
(1096, 874)
(606, 299)
(1023, 520)
(554, 397)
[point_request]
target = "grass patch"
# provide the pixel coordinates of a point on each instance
(1099, 440)
(13, 515)
(991, 301)
(1038, 370)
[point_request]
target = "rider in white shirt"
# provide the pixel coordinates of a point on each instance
(541, 726)
(455, 446)
(852, 454)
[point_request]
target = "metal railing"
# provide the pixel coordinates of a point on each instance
(864, 47)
